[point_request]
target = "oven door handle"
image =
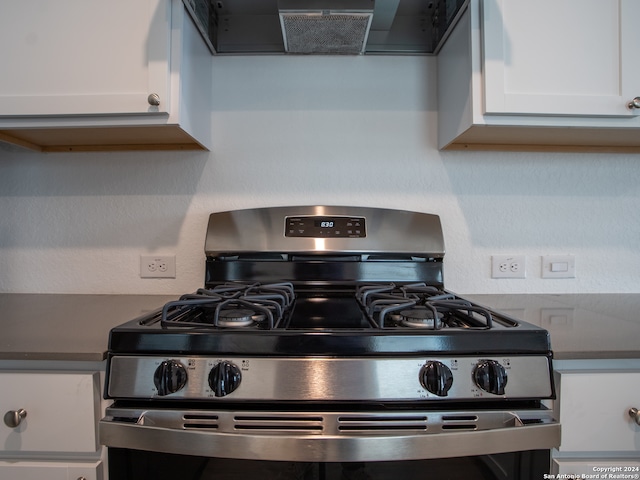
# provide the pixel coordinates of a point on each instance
(328, 448)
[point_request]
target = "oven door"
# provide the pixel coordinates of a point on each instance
(127, 464)
(228, 444)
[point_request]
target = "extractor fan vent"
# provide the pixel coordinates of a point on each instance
(312, 29)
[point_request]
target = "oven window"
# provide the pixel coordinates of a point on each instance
(133, 464)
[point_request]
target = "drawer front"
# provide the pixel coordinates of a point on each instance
(594, 411)
(62, 411)
(50, 471)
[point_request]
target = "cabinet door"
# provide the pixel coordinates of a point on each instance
(594, 411)
(83, 56)
(62, 411)
(28, 470)
(574, 57)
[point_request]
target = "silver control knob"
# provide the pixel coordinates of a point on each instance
(490, 376)
(13, 418)
(153, 99)
(635, 103)
(635, 414)
(169, 377)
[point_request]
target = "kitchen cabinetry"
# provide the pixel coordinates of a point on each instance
(541, 75)
(593, 408)
(49, 429)
(94, 75)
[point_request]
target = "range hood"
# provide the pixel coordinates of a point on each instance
(324, 26)
(337, 27)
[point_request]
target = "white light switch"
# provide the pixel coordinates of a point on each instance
(558, 266)
(556, 317)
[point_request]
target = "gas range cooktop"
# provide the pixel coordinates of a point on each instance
(237, 335)
(369, 319)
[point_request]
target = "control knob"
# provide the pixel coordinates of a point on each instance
(490, 376)
(224, 378)
(170, 376)
(436, 377)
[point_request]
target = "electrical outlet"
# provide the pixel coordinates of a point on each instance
(508, 266)
(157, 266)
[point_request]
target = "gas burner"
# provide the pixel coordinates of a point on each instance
(416, 305)
(231, 305)
(238, 317)
(419, 317)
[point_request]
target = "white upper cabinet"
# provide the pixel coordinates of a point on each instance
(573, 57)
(82, 73)
(541, 75)
(84, 56)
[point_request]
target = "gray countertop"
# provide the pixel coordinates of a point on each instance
(76, 327)
(582, 326)
(66, 327)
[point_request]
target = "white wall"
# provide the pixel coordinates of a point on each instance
(316, 130)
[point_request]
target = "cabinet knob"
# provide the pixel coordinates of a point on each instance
(154, 99)
(635, 103)
(635, 414)
(13, 417)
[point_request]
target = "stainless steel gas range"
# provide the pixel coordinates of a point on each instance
(325, 335)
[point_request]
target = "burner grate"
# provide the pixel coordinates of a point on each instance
(231, 305)
(420, 306)
(239, 306)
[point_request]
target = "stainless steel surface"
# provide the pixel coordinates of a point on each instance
(312, 436)
(635, 103)
(329, 379)
(13, 418)
(153, 99)
(263, 230)
(635, 414)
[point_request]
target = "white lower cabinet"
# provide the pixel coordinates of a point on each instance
(599, 437)
(50, 471)
(49, 428)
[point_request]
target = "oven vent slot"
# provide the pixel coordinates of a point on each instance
(278, 423)
(200, 422)
(459, 422)
(382, 423)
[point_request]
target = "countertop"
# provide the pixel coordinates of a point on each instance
(76, 327)
(66, 327)
(582, 326)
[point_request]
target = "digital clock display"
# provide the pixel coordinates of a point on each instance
(325, 227)
(324, 223)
